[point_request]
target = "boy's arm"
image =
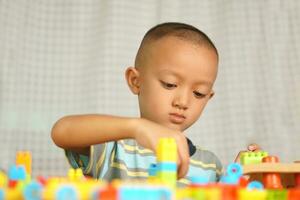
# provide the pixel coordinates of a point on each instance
(79, 132)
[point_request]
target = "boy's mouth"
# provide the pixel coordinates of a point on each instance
(176, 118)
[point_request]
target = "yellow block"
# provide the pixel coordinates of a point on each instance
(24, 158)
(166, 150)
(75, 174)
(245, 194)
(3, 179)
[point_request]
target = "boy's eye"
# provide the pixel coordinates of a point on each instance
(168, 85)
(198, 94)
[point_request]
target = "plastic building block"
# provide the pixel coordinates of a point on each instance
(24, 158)
(198, 193)
(255, 185)
(75, 174)
(3, 179)
(168, 178)
(13, 193)
(166, 150)
(252, 157)
(229, 192)
(66, 192)
(245, 194)
(294, 194)
(271, 180)
(167, 166)
(108, 193)
(297, 180)
(234, 172)
(2, 194)
(33, 191)
(277, 194)
(199, 180)
(152, 170)
(145, 193)
(234, 169)
(213, 193)
(16, 173)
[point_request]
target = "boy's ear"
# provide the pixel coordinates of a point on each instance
(132, 76)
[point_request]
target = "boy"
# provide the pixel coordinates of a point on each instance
(175, 69)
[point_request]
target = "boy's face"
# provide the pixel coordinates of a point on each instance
(175, 82)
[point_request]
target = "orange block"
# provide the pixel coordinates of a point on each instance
(24, 158)
(272, 180)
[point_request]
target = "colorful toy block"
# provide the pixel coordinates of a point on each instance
(166, 150)
(245, 194)
(277, 194)
(24, 158)
(255, 185)
(75, 174)
(233, 186)
(271, 180)
(66, 192)
(33, 191)
(233, 174)
(167, 178)
(252, 157)
(3, 179)
(17, 173)
(273, 174)
(199, 180)
(152, 170)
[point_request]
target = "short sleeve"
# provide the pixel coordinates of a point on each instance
(219, 169)
(77, 160)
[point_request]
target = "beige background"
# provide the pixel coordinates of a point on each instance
(60, 57)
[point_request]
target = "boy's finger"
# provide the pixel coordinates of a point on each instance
(183, 168)
(253, 147)
(184, 162)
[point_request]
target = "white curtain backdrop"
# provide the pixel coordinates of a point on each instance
(60, 57)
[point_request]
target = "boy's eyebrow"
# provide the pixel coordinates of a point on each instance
(199, 82)
(166, 71)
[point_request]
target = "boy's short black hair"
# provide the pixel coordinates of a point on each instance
(180, 30)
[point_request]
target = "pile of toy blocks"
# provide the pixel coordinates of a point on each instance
(17, 183)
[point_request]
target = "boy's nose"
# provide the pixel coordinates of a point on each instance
(181, 101)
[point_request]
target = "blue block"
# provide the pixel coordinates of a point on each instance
(234, 169)
(229, 179)
(202, 180)
(255, 185)
(2, 194)
(167, 166)
(66, 192)
(234, 173)
(144, 193)
(33, 191)
(17, 173)
(152, 170)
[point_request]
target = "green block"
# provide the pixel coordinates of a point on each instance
(198, 193)
(168, 178)
(252, 157)
(277, 194)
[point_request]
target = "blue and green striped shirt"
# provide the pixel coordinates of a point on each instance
(125, 159)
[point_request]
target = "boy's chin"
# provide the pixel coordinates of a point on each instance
(177, 127)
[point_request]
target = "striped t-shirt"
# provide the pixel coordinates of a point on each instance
(125, 159)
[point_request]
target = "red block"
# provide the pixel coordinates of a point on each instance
(294, 194)
(271, 180)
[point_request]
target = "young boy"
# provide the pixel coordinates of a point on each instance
(175, 69)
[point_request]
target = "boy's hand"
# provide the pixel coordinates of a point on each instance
(250, 148)
(148, 133)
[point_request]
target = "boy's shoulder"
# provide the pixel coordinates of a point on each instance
(206, 159)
